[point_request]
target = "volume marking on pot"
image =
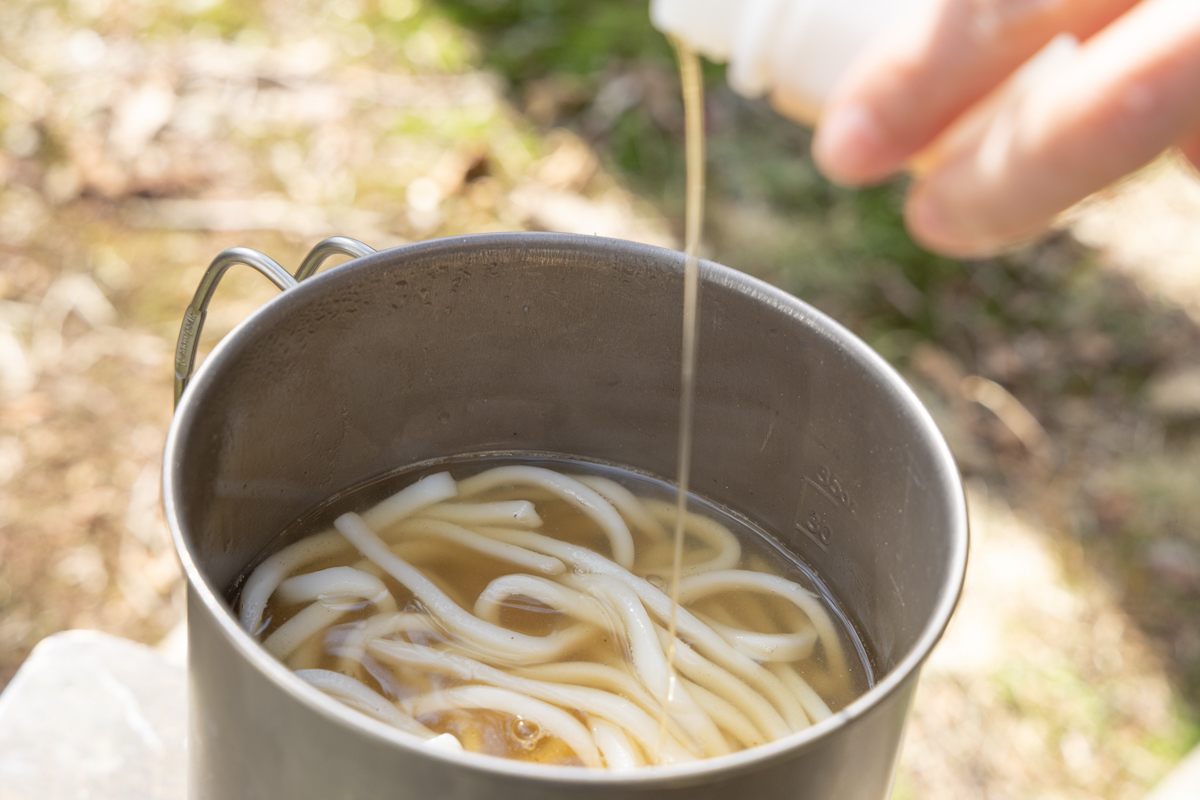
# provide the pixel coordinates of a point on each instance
(830, 485)
(821, 498)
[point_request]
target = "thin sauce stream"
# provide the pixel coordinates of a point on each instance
(693, 111)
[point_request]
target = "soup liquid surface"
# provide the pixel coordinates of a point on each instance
(463, 575)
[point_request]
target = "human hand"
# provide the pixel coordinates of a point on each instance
(992, 174)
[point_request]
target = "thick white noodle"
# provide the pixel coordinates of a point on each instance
(700, 670)
(510, 513)
(554, 720)
(353, 642)
(271, 572)
(707, 641)
(709, 531)
(627, 503)
(590, 673)
(450, 532)
(446, 742)
(651, 662)
(411, 499)
(558, 597)
(618, 710)
(695, 587)
(302, 626)
(727, 717)
(577, 494)
(486, 637)
(348, 643)
(359, 696)
(605, 678)
(813, 704)
(336, 592)
(336, 586)
(619, 754)
(785, 647)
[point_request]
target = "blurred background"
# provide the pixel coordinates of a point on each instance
(138, 138)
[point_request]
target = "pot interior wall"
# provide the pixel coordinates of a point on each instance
(571, 345)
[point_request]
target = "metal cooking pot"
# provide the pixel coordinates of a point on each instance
(528, 342)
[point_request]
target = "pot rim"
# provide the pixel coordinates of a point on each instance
(692, 772)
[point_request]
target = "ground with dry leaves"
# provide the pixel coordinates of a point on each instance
(139, 138)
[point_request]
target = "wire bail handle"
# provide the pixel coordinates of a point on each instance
(197, 310)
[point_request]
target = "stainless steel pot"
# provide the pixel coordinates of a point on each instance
(548, 343)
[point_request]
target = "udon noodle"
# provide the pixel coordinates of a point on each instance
(521, 612)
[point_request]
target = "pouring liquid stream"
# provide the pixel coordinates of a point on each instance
(693, 111)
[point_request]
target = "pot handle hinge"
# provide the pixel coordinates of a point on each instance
(193, 317)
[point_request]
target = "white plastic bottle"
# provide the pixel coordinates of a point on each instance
(793, 50)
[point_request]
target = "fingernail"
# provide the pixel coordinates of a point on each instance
(850, 145)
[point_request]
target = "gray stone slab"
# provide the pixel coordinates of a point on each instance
(94, 717)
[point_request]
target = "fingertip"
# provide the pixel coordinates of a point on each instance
(852, 148)
(925, 220)
(935, 224)
(1190, 150)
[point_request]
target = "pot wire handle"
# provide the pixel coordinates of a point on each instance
(197, 310)
(334, 245)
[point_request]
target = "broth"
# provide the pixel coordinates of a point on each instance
(572, 675)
